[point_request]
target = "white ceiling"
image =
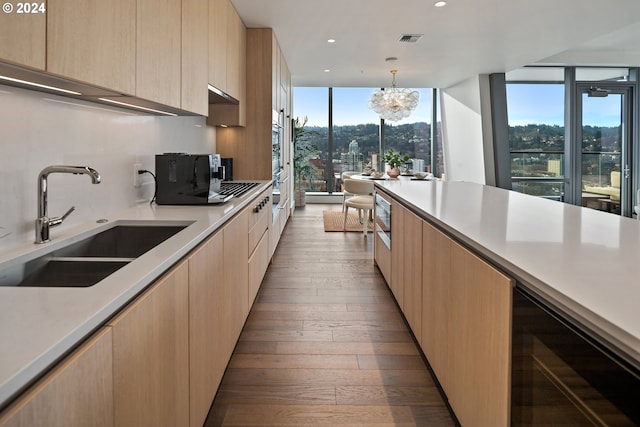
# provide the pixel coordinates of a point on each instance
(462, 39)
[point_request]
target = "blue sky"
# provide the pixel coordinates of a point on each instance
(527, 103)
(350, 106)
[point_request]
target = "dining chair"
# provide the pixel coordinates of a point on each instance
(345, 193)
(361, 199)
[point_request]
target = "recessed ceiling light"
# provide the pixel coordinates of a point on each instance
(440, 3)
(331, 41)
(327, 70)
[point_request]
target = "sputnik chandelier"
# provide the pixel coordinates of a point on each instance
(394, 104)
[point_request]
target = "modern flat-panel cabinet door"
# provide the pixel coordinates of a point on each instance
(480, 347)
(412, 271)
(397, 252)
(77, 393)
(158, 51)
(218, 43)
(93, 41)
(23, 36)
(195, 62)
(436, 279)
(209, 314)
(151, 355)
(236, 271)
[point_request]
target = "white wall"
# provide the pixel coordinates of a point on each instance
(37, 130)
(463, 106)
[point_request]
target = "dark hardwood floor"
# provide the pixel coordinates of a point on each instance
(325, 344)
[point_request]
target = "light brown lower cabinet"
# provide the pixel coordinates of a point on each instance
(258, 264)
(436, 305)
(412, 271)
(151, 355)
(480, 346)
(236, 271)
(459, 309)
(77, 393)
(383, 257)
(209, 344)
(160, 361)
(397, 252)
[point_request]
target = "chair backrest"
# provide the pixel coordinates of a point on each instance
(348, 174)
(358, 186)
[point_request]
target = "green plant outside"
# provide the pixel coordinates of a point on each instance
(303, 151)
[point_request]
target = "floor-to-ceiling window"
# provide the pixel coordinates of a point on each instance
(535, 106)
(346, 134)
(572, 135)
(356, 131)
(412, 136)
(311, 118)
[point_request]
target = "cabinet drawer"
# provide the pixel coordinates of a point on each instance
(262, 203)
(258, 263)
(383, 258)
(259, 219)
(255, 234)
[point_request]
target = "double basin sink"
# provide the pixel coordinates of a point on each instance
(85, 262)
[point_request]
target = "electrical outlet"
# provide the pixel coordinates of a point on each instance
(137, 178)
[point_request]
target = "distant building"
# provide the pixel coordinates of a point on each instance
(418, 165)
(554, 167)
(352, 160)
(353, 147)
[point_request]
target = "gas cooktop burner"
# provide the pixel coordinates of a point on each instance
(236, 189)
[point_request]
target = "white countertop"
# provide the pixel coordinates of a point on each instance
(583, 262)
(40, 325)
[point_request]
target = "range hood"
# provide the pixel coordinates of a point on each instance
(40, 81)
(216, 96)
(224, 109)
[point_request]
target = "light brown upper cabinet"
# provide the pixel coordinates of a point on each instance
(195, 48)
(236, 54)
(23, 37)
(218, 43)
(227, 63)
(94, 42)
(158, 51)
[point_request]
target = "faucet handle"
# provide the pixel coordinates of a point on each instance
(71, 209)
(58, 220)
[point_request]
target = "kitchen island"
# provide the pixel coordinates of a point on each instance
(577, 263)
(41, 325)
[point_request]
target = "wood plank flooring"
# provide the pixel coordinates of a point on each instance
(325, 344)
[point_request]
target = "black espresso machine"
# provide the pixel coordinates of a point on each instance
(189, 179)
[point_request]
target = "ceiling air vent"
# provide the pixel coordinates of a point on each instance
(410, 38)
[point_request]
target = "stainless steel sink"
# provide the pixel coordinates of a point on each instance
(71, 273)
(121, 241)
(86, 262)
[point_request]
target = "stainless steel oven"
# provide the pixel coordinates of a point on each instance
(383, 220)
